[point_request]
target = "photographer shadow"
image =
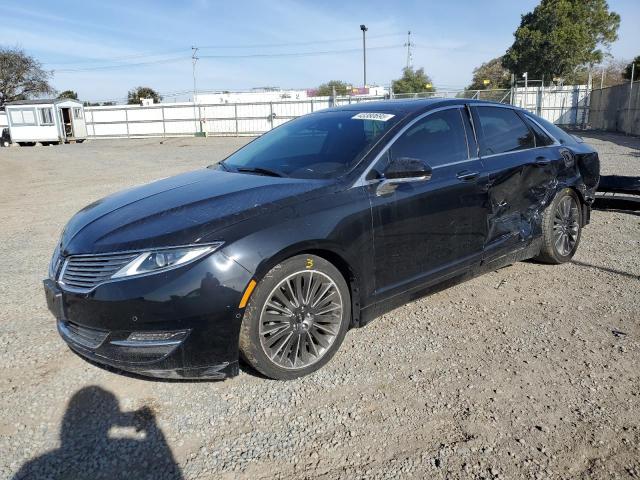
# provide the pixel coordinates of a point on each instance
(99, 441)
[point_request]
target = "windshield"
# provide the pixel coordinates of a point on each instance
(320, 145)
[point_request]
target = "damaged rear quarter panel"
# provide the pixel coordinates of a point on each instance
(522, 184)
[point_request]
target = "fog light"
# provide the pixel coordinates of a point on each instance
(152, 339)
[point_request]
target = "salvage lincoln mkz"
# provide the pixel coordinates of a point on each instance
(320, 225)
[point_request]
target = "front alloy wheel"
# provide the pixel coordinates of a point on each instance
(296, 318)
(301, 319)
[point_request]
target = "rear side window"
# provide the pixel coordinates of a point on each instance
(542, 139)
(437, 139)
(502, 130)
(563, 137)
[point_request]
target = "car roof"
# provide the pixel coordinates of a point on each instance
(406, 106)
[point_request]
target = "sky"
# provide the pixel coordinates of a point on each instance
(103, 49)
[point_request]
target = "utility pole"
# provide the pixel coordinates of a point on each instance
(194, 60)
(364, 52)
(633, 71)
(409, 45)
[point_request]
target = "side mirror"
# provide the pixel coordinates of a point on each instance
(408, 169)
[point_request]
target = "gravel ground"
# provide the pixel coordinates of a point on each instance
(527, 372)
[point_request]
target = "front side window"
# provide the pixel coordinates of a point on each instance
(502, 131)
(437, 139)
(320, 145)
(46, 116)
(77, 113)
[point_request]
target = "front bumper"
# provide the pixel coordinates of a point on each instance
(198, 303)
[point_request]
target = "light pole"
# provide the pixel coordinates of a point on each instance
(364, 52)
(194, 59)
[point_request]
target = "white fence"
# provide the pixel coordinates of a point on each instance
(568, 105)
(562, 105)
(182, 119)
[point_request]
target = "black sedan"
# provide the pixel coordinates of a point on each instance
(316, 227)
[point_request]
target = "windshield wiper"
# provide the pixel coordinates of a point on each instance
(261, 171)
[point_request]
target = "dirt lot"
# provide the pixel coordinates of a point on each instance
(528, 372)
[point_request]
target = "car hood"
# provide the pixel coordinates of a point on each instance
(180, 210)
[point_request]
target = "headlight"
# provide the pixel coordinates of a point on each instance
(164, 259)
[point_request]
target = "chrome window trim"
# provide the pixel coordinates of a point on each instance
(362, 181)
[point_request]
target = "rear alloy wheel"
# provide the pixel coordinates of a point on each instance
(296, 319)
(561, 228)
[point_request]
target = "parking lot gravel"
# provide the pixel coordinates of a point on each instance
(531, 371)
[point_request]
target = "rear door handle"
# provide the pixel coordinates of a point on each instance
(542, 161)
(466, 175)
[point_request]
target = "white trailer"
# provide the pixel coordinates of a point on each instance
(46, 121)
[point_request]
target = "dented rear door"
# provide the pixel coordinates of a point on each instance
(519, 178)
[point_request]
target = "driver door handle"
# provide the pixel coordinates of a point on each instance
(466, 175)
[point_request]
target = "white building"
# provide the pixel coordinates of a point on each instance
(254, 96)
(46, 121)
(276, 95)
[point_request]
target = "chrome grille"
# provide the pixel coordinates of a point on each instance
(84, 272)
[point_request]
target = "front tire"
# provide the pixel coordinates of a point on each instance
(561, 228)
(296, 318)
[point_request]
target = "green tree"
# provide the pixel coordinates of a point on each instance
(136, 95)
(626, 74)
(326, 89)
(412, 81)
(560, 36)
(21, 76)
(70, 94)
(498, 76)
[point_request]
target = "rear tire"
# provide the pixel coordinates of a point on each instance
(296, 318)
(561, 228)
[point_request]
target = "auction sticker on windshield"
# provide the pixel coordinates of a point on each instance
(380, 117)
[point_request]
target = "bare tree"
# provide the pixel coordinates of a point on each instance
(21, 76)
